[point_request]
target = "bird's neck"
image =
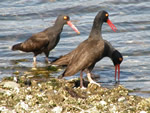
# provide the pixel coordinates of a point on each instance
(57, 28)
(96, 29)
(109, 49)
(58, 25)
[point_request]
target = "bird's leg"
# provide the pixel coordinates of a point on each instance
(46, 59)
(116, 71)
(60, 77)
(81, 80)
(34, 61)
(90, 79)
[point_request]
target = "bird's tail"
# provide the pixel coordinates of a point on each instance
(61, 61)
(16, 47)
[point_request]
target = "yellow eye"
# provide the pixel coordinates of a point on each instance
(106, 14)
(120, 59)
(65, 17)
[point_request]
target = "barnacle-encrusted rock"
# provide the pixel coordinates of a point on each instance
(10, 84)
(38, 92)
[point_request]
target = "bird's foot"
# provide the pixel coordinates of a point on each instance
(93, 85)
(53, 65)
(91, 80)
(60, 77)
(47, 61)
(34, 66)
(83, 88)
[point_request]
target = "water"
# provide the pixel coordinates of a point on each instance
(19, 19)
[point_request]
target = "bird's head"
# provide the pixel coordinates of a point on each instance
(104, 16)
(117, 59)
(65, 19)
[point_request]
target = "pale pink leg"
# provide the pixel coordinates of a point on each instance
(91, 80)
(81, 80)
(34, 61)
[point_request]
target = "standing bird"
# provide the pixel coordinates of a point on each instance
(90, 51)
(45, 41)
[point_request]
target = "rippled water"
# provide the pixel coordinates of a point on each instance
(19, 19)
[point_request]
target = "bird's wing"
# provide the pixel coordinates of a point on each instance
(35, 43)
(64, 60)
(85, 55)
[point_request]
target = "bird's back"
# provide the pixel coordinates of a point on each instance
(35, 43)
(85, 55)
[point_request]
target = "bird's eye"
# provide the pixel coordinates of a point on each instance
(65, 17)
(120, 59)
(106, 14)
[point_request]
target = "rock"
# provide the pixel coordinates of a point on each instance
(10, 84)
(3, 109)
(91, 110)
(121, 99)
(103, 103)
(2, 90)
(143, 112)
(21, 106)
(58, 95)
(57, 109)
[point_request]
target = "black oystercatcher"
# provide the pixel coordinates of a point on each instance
(90, 51)
(46, 40)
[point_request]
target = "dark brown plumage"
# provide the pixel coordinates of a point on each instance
(90, 51)
(46, 40)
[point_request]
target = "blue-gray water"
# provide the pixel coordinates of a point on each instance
(19, 19)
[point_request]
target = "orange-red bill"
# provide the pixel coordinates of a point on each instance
(73, 27)
(117, 67)
(111, 25)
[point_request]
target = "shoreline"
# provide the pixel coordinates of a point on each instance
(45, 94)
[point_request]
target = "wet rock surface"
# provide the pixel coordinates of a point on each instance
(51, 95)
